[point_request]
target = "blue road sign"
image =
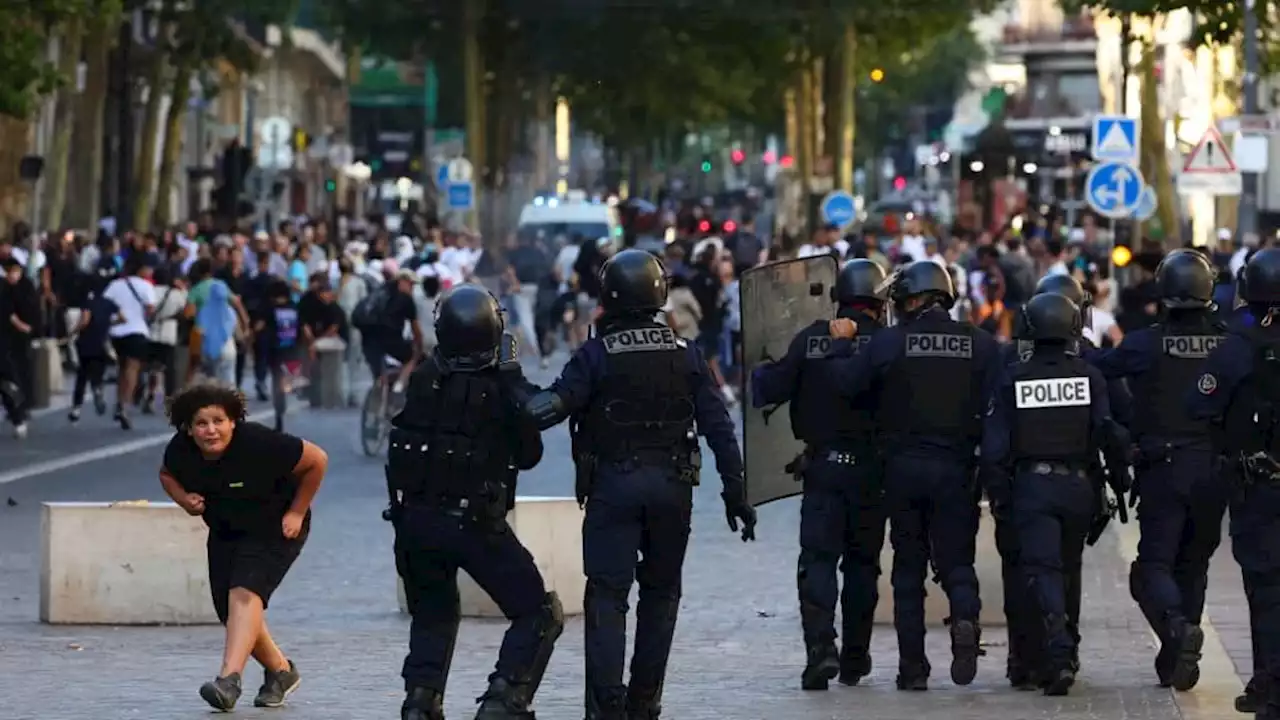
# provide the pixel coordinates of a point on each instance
(839, 208)
(1115, 139)
(1114, 189)
(1147, 205)
(460, 196)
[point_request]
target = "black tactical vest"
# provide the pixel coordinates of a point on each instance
(1252, 422)
(820, 417)
(1052, 401)
(465, 418)
(1161, 390)
(645, 405)
(930, 389)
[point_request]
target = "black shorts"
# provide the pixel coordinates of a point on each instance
(256, 565)
(376, 351)
(132, 347)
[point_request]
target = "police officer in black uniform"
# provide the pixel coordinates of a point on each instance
(1238, 391)
(841, 515)
(1183, 496)
(454, 454)
(1047, 420)
(1026, 630)
(638, 395)
(931, 378)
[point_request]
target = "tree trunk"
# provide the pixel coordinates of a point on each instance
(64, 120)
(87, 143)
(15, 194)
(171, 152)
(473, 90)
(145, 166)
(847, 108)
(1155, 155)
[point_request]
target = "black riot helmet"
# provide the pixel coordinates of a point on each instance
(633, 281)
(923, 278)
(1066, 286)
(1185, 279)
(1051, 317)
(469, 326)
(860, 281)
(1260, 279)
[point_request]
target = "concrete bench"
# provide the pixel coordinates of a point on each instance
(936, 607)
(551, 528)
(133, 563)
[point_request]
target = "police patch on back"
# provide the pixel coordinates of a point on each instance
(818, 347)
(939, 345)
(1190, 346)
(1052, 393)
(642, 340)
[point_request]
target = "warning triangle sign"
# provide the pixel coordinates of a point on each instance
(1210, 156)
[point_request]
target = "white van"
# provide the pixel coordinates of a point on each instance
(573, 215)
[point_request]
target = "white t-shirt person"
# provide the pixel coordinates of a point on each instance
(133, 296)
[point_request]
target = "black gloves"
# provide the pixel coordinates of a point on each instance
(737, 510)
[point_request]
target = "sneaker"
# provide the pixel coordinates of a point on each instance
(20, 431)
(222, 693)
(277, 686)
(74, 415)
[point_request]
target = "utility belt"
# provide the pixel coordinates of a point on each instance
(488, 508)
(840, 451)
(1147, 456)
(1062, 467)
(1259, 468)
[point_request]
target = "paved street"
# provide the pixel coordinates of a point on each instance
(737, 653)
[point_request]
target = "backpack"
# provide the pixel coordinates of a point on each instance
(369, 312)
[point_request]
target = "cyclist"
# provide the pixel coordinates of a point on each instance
(382, 333)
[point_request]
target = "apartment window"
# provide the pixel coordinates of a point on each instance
(1080, 93)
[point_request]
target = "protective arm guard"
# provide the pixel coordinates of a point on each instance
(546, 409)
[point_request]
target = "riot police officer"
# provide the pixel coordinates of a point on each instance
(931, 378)
(454, 454)
(1046, 421)
(1026, 630)
(1182, 498)
(1238, 391)
(638, 395)
(841, 515)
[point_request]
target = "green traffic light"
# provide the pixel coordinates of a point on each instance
(376, 164)
(330, 185)
(706, 166)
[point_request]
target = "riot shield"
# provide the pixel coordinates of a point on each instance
(778, 300)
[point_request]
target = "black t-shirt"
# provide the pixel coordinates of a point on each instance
(400, 309)
(248, 489)
(323, 316)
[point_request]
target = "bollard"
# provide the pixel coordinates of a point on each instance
(46, 375)
(326, 373)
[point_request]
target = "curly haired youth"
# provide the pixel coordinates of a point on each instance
(182, 407)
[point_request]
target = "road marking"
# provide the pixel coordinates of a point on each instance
(103, 453)
(1214, 696)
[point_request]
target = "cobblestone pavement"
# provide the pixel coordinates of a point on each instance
(737, 652)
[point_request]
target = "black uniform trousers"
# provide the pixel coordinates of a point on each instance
(1021, 612)
(16, 367)
(432, 544)
(1182, 503)
(842, 527)
(636, 529)
(1053, 506)
(933, 516)
(1255, 535)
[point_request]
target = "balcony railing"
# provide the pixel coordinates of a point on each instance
(1070, 30)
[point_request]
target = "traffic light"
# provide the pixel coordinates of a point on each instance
(706, 164)
(730, 226)
(787, 161)
(330, 185)
(704, 226)
(899, 183)
(737, 156)
(770, 157)
(877, 75)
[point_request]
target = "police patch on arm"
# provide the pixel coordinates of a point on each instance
(642, 340)
(1052, 393)
(939, 345)
(1207, 384)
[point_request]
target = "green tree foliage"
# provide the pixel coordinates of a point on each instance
(1218, 22)
(27, 71)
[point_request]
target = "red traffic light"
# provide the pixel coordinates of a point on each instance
(899, 183)
(788, 161)
(770, 157)
(704, 226)
(730, 226)
(737, 156)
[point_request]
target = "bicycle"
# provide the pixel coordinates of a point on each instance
(381, 404)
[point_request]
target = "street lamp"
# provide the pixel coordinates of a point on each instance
(977, 166)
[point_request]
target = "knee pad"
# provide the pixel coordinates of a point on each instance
(551, 616)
